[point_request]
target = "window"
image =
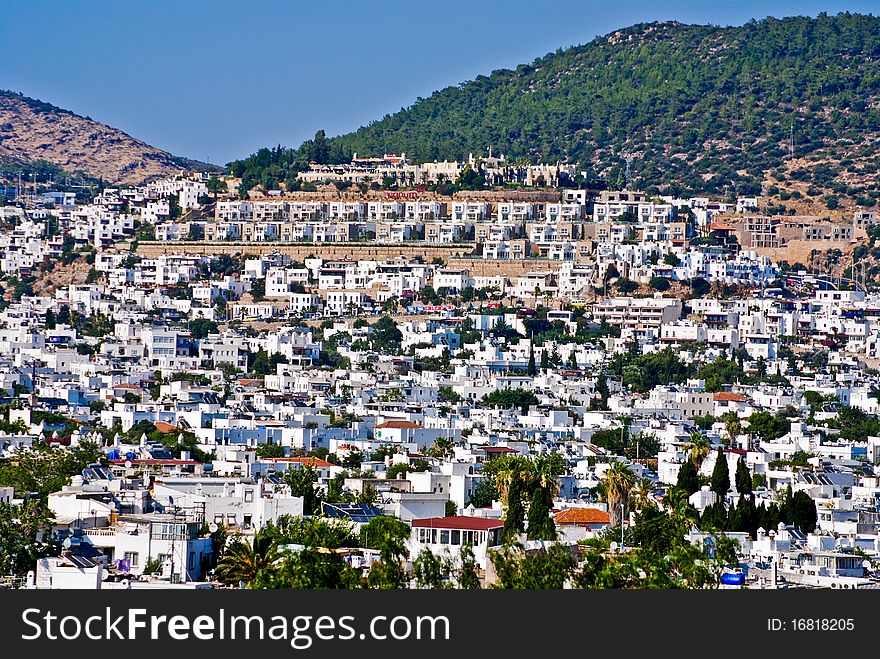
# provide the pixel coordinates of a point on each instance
(456, 537)
(218, 518)
(132, 558)
(230, 519)
(248, 496)
(444, 537)
(247, 521)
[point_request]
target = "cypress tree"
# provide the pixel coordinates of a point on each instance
(720, 517)
(540, 527)
(734, 515)
(720, 476)
(545, 360)
(687, 478)
(531, 370)
(514, 520)
(803, 511)
(742, 478)
(602, 389)
(748, 516)
(768, 517)
(785, 510)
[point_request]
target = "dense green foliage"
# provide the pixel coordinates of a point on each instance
(507, 398)
(701, 108)
(720, 476)
(45, 469)
(24, 536)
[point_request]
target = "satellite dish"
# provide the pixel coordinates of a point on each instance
(213, 527)
(868, 565)
(128, 464)
(67, 543)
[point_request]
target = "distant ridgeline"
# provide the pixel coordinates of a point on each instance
(695, 109)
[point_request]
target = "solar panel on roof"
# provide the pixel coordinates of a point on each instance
(356, 512)
(80, 561)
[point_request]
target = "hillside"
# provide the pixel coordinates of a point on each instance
(35, 132)
(697, 109)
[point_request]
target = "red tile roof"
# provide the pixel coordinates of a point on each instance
(399, 424)
(582, 516)
(161, 426)
(458, 522)
(731, 396)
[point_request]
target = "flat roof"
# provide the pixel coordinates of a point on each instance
(459, 522)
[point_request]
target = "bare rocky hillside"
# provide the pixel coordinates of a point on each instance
(31, 130)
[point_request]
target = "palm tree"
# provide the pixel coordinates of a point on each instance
(680, 509)
(618, 482)
(732, 427)
(642, 493)
(698, 449)
(244, 560)
(442, 447)
(545, 478)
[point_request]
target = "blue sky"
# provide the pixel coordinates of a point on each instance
(218, 79)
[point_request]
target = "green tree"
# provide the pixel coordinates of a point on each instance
(173, 207)
(720, 481)
(618, 482)
(270, 450)
(302, 484)
(386, 336)
(244, 561)
(216, 186)
(388, 535)
(802, 512)
(514, 515)
(659, 283)
(540, 524)
(258, 289)
(742, 478)
(431, 571)
(25, 531)
(467, 579)
(485, 492)
(540, 569)
(510, 398)
(688, 479)
(768, 426)
(316, 532)
(201, 328)
(44, 470)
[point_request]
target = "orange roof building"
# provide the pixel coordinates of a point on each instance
(586, 517)
(399, 424)
(730, 396)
